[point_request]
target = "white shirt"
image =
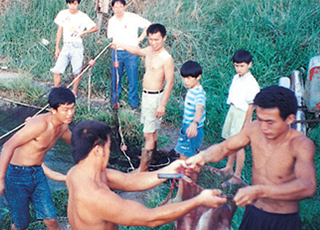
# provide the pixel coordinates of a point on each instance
(73, 24)
(242, 91)
(126, 30)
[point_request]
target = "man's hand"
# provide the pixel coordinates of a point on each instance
(57, 52)
(211, 199)
(177, 166)
(196, 160)
(246, 196)
(160, 111)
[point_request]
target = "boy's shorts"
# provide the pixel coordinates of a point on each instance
(70, 52)
(189, 146)
(149, 105)
(234, 122)
(28, 184)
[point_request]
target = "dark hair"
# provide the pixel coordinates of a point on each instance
(277, 97)
(86, 135)
(72, 1)
(242, 56)
(121, 1)
(60, 96)
(190, 69)
(155, 28)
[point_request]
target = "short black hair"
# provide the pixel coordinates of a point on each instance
(277, 97)
(60, 96)
(72, 1)
(87, 135)
(121, 1)
(190, 69)
(155, 28)
(242, 56)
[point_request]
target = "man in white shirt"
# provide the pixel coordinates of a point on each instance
(73, 24)
(123, 28)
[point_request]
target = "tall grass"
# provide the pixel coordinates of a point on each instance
(281, 34)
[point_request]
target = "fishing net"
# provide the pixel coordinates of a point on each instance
(206, 218)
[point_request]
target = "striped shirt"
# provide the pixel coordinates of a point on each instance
(195, 96)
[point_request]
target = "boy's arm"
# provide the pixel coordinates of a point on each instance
(248, 114)
(58, 40)
(192, 130)
(169, 78)
(53, 174)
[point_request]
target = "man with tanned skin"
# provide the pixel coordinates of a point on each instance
(159, 69)
(283, 171)
(21, 175)
(93, 205)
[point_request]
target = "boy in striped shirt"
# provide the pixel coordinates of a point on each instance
(194, 114)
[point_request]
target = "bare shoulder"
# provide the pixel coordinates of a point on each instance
(301, 144)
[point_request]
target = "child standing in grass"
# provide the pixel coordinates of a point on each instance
(242, 91)
(194, 114)
(72, 24)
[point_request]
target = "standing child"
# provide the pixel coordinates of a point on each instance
(242, 91)
(72, 24)
(194, 114)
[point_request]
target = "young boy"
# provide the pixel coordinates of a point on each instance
(242, 91)
(194, 114)
(72, 24)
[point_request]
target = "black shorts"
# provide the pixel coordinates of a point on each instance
(257, 219)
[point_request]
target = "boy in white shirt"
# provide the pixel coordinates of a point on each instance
(242, 91)
(73, 24)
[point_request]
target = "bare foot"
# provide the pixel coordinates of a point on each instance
(226, 170)
(233, 180)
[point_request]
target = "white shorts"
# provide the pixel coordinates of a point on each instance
(71, 52)
(149, 105)
(234, 122)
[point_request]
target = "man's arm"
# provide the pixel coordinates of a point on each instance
(66, 136)
(131, 49)
(217, 152)
(301, 187)
(53, 174)
(169, 78)
(142, 35)
(131, 213)
(58, 40)
(92, 30)
(140, 181)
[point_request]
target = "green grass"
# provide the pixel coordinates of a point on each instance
(281, 34)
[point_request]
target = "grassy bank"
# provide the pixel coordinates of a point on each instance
(281, 34)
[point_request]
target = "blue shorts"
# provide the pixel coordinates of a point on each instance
(255, 218)
(28, 184)
(189, 146)
(73, 53)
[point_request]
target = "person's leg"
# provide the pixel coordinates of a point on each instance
(131, 65)
(180, 186)
(76, 62)
(42, 200)
(148, 152)
(116, 75)
(229, 167)
(52, 224)
(56, 79)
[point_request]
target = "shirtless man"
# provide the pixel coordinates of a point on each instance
(22, 178)
(93, 205)
(159, 68)
(283, 171)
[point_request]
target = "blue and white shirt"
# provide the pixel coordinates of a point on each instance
(195, 96)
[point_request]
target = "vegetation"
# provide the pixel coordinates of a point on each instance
(281, 34)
